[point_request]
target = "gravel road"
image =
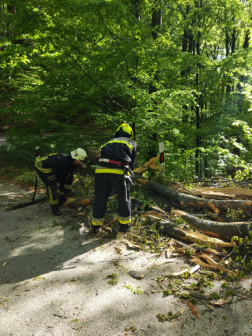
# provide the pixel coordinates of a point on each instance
(54, 281)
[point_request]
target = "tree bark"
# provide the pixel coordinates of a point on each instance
(216, 229)
(188, 236)
(76, 202)
(197, 202)
(14, 206)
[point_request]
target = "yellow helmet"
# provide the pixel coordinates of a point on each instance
(126, 128)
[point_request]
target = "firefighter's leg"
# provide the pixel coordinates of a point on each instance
(62, 196)
(51, 185)
(65, 186)
(102, 191)
(53, 197)
(122, 190)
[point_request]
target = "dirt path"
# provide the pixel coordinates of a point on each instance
(53, 281)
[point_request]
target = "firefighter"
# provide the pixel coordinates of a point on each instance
(115, 165)
(59, 168)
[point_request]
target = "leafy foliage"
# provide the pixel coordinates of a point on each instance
(85, 62)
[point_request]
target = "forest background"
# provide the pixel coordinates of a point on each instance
(177, 71)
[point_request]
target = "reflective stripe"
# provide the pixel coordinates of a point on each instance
(44, 170)
(103, 160)
(105, 170)
(119, 141)
(124, 220)
(61, 193)
(96, 221)
(119, 164)
(38, 164)
(52, 202)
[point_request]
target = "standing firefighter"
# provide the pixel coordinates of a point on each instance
(59, 168)
(115, 166)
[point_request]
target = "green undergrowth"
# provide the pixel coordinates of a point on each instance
(144, 234)
(17, 168)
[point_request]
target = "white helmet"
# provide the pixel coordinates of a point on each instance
(79, 154)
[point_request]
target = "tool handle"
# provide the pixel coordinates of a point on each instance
(37, 151)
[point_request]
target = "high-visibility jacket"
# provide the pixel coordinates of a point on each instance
(119, 149)
(53, 169)
(56, 163)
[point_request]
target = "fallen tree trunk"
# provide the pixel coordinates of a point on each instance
(228, 192)
(76, 202)
(188, 236)
(70, 203)
(197, 202)
(216, 229)
(14, 206)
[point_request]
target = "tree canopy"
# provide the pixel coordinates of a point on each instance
(177, 69)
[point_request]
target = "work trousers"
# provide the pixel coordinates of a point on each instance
(50, 180)
(65, 186)
(104, 183)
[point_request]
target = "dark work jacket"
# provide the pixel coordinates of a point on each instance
(56, 163)
(120, 148)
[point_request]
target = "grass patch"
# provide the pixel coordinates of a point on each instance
(113, 279)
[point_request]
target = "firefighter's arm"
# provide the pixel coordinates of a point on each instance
(133, 157)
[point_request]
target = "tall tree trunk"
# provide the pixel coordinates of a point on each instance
(156, 26)
(243, 79)
(197, 108)
(185, 71)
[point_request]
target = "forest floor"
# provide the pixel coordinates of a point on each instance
(57, 278)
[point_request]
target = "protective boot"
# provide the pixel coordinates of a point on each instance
(123, 228)
(96, 228)
(56, 211)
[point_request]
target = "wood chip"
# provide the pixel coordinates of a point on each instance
(221, 302)
(131, 244)
(190, 270)
(181, 272)
(170, 249)
(216, 265)
(194, 311)
(118, 250)
(201, 263)
(152, 213)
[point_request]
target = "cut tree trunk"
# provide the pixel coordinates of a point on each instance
(216, 229)
(77, 202)
(238, 193)
(192, 201)
(188, 236)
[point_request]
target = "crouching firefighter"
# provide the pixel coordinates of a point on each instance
(115, 165)
(58, 169)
